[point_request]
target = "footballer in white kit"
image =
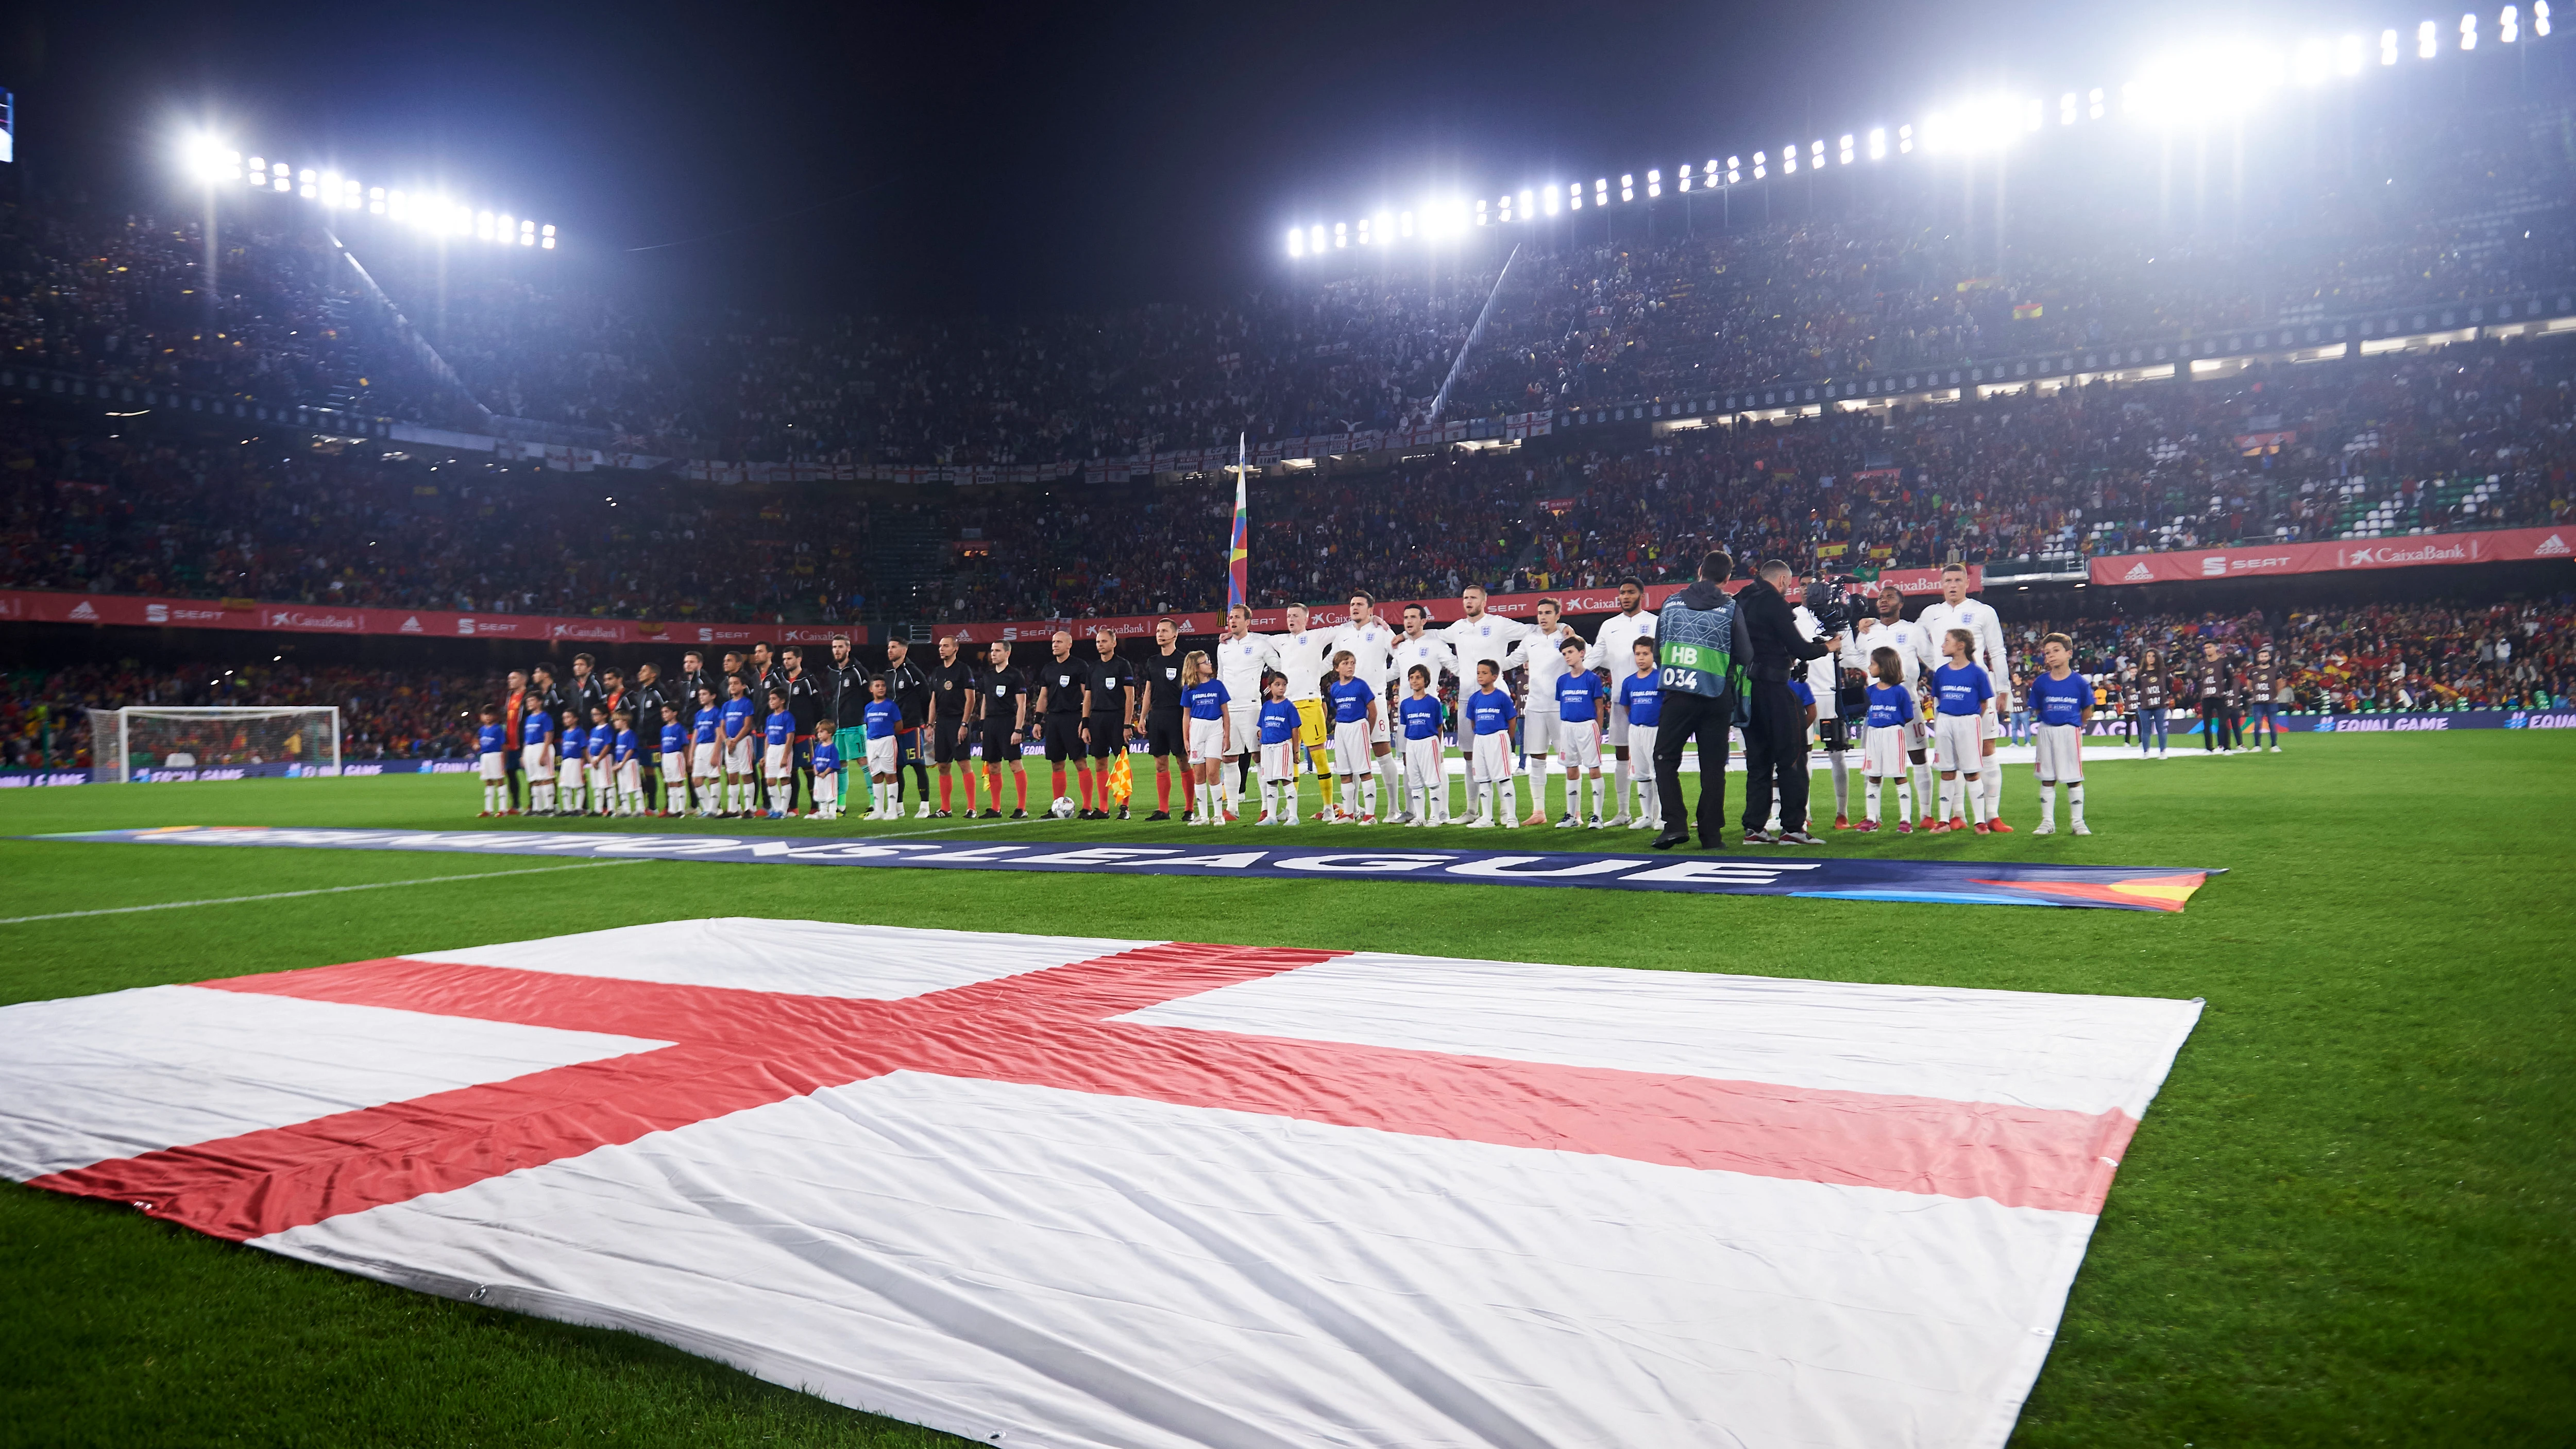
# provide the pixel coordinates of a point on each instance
(1479, 637)
(1242, 657)
(1540, 651)
(1955, 610)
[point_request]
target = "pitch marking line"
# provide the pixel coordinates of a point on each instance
(316, 891)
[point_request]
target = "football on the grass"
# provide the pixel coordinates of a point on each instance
(1062, 809)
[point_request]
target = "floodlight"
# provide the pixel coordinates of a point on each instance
(1904, 140)
(330, 189)
(1758, 171)
(501, 232)
(2308, 64)
(1480, 211)
(1878, 143)
(483, 226)
(1627, 188)
(1363, 237)
(1601, 192)
(258, 171)
(1983, 123)
(1525, 205)
(305, 189)
(2093, 104)
(2217, 81)
(2066, 109)
(527, 233)
(2540, 17)
(1816, 154)
(1315, 239)
(375, 201)
(1654, 184)
(1789, 159)
(2348, 55)
(2508, 26)
(1406, 220)
(546, 241)
(1734, 172)
(1683, 176)
(351, 195)
(2426, 40)
(2469, 31)
(1341, 234)
(2388, 47)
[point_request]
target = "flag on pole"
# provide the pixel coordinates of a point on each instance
(1237, 590)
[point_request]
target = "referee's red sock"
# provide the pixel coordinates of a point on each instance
(1020, 780)
(970, 790)
(943, 789)
(1085, 778)
(1162, 791)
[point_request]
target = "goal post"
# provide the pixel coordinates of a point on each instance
(142, 737)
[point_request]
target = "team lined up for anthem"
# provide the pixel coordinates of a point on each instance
(1359, 706)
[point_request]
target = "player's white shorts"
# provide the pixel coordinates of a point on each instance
(1383, 732)
(1993, 722)
(1426, 763)
(1246, 719)
(1886, 749)
(1578, 745)
(777, 760)
(1279, 762)
(675, 767)
(1618, 726)
(882, 753)
(2061, 752)
(1489, 758)
(539, 762)
(496, 768)
(737, 756)
(1351, 752)
(1641, 752)
(1206, 739)
(630, 778)
(1958, 742)
(1539, 731)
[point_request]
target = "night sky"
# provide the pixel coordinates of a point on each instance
(1008, 157)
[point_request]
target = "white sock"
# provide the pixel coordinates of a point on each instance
(1994, 783)
(1904, 796)
(1368, 796)
(1975, 791)
(2075, 801)
(1288, 791)
(1869, 801)
(1621, 771)
(2047, 804)
(1842, 785)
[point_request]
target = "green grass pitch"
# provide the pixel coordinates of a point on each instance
(2347, 1219)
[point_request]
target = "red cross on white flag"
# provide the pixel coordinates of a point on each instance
(1104, 1192)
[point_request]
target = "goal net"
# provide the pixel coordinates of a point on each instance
(123, 741)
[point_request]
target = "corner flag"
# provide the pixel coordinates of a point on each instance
(1237, 590)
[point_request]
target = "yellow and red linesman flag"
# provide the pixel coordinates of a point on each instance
(1237, 590)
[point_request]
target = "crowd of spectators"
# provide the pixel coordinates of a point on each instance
(2477, 435)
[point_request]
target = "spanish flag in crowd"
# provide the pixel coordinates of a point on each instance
(1237, 586)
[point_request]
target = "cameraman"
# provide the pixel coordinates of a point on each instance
(1775, 729)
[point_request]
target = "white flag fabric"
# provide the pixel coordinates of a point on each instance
(1062, 1191)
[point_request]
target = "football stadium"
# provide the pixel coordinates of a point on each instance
(985, 588)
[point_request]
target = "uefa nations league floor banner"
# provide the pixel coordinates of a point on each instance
(1042, 1190)
(1338, 854)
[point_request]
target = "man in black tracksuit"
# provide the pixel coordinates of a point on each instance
(1775, 732)
(649, 696)
(1699, 639)
(845, 705)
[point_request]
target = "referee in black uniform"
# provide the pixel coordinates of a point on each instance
(952, 693)
(1107, 689)
(1159, 685)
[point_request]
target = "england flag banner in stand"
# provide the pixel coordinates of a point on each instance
(1075, 1192)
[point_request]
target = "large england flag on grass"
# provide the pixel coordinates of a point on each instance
(1059, 1191)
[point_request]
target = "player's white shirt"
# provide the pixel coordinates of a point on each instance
(1983, 625)
(1428, 652)
(1614, 645)
(1904, 636)
(1305, 658)
(1543, 655)
(1371, 648)
(1239, 663)
(1824, 670)
(1473, 640)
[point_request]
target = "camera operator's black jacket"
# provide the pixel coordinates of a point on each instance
(1777, 642)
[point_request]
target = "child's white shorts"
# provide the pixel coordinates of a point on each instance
(1959, 742)
(1279, 762)
(539, 762)
(1641, 751)
(496, 768)
(775, 759)
(737, 756)
(630, 778)
(1351, 752)
(2061, 752)
(1886, 749)
(702, 760)
(882, 755)
(1489, 759)
(1578, 745)
(1425, 763)
(675, 768)
(1206, 740)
